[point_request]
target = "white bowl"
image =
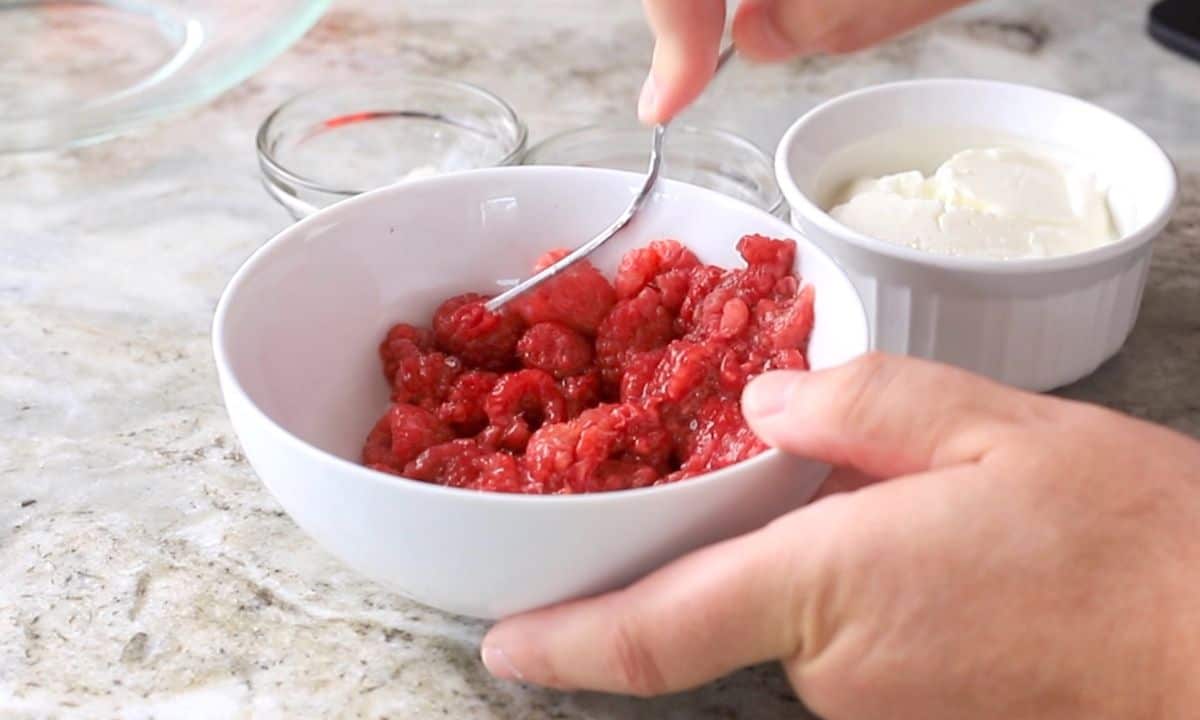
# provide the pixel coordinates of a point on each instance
(295, 338)
(1033, 323)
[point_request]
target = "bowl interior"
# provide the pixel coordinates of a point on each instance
(298, 327)
(917, 125)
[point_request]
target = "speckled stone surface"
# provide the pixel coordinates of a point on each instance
(144, 572)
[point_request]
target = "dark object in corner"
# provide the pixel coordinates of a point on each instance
(1176, 24)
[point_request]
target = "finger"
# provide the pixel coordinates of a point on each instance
(687, 37)
(774, 30)
(844, 480)
(885, 415)
(701, 617)
(771, 30)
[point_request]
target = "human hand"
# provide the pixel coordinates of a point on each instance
(688, 34)
(1029, 557)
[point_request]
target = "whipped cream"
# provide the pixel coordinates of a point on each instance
(996, 202)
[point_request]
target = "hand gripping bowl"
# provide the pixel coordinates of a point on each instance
(295, 339)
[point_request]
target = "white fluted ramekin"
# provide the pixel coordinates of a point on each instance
(1035, 323)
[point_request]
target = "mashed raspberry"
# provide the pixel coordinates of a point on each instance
(592, 386)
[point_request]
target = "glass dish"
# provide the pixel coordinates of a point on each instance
(714, 159)
(342, 140)
(73, 71)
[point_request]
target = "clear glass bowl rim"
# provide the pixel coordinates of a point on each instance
(742, 144)
(274, 167)
(145, 103)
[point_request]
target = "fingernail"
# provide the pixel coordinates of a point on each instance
(499, 664)
(768, 394)
(648, 100)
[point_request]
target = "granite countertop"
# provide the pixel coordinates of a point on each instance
(145, 572)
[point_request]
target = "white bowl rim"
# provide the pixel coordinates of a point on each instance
(1140, 235)
(230, 383)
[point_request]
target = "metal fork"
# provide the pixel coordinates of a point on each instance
(607, 234)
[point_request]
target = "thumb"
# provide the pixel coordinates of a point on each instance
(884, 415)
(772, 30)
(687, 37)
(716, 610)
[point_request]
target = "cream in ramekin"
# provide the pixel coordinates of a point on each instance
(1035, 323)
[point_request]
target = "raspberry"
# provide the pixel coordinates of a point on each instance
(686, 377)
(621, 475)
(791, 359)
(465, 464)
(643, 266)
(520, 403)
(425, 380)
(718, 437)
(785, 325)
(377, 451)
(581, 392)
(702, 282)
(451, 463)
(686, 368)
(501, 472)
(776, 256)
(555, 348)
(735, 318)
(638, 324)
(579, 298)
(755, 283)
(464, 327)
(402, 340)
(786, 287)
(673, 285)
(747, 287)
(675, 351)
(734, 371)
(463, 408)
(637, 374)
(402, 434)
(566, 457)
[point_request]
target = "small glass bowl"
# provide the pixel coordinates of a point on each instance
(342, 140)
(714, 159)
